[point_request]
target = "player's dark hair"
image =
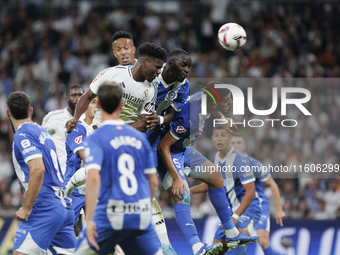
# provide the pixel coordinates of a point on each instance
(74, 86)
(109, 96)
(175, 53)
(221, 92)
(218, 128)
(237, 135)
(151, 50)
(19, 104)
(121, 34)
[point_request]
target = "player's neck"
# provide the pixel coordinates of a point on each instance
(136, 72)
(222, 153)
(18, 123)
(167, 75)
(70, 111)
(112, 116)
(88, 120)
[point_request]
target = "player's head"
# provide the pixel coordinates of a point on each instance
(73, 93)
(91, 110)
(151, 58)
(225, 96)
(123, 48)
(220, 138)
(110, 97)
(179, 62)
(238, 142)
(19, 106)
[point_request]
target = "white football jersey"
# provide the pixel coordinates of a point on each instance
(138, 97)
(54, 122)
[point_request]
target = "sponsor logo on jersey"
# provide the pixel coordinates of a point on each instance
(131, 100)
(180, 129)
(78, 140)
(146, 93)
(25, 143)
(25, 151)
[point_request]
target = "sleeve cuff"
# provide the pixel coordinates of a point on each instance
(176, 109)
(33, 157)
(150, 170)
(248, 181)
(93, 166)
(174, 136)
(78, 149)
(265, 178)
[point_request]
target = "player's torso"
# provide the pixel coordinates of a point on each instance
(53, 183)
(124, 191)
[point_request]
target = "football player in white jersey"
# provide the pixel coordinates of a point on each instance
(54, 122)
(139, 94)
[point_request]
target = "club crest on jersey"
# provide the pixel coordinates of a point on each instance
(78, 140)
(180, 129)
(146, 93)
(172, 95)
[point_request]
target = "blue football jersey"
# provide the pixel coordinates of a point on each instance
(261, 177)
(174, 94)
(124, 196)
(33, 141)
(236, 170)
(189, 123)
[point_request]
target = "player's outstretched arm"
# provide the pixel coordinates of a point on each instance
(280, 214)
(164, 151)
(141, 124)
(247, 199)
(167, 118)
(92, 190)
(35, 181)
(81, 107)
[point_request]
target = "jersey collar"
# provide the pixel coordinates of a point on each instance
(162, 80)
(226, 156)
(113, 122)
(68, 113)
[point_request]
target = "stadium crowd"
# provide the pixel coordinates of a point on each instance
(46, 46)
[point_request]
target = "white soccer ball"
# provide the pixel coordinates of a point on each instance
(232, 36)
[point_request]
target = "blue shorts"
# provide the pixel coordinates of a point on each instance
(78, 202)
(243, 222)
(132, 241)
(264, 222)
(189, 157)
(46, 223)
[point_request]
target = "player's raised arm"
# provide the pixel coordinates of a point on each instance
(35, 181)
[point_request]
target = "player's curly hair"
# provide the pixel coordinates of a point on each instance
(19, 104)
(176, 52)
(151, 50)
(121, 34)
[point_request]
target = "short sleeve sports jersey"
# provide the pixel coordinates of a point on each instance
(138, 97)
(236, 172)
(188, 123)
(54, 122)
(124, 196)
(174, 94)
(261, 177)
(32, 141)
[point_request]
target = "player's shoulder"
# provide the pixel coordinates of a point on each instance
(254, 161)
(240, 157)
(53, 114)
(28, 130)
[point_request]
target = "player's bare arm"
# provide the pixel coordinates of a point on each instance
(164, 151)
(82, 105)
(246, 200)
(154, 119)
(92, 190)
(36, 178)
(280, 214)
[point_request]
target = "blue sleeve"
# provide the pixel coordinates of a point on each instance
(75, 140)
(94, 154)
(27, 145)
(180, 127)
(244, 171)
(182, 96)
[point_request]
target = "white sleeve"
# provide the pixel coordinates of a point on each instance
(99, 80)
(149, 101)
(46, 124)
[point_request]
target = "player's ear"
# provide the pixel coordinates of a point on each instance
(134, 50)
(31, 111)
(8, 114)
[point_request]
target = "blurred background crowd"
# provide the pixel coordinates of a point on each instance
(47, 45)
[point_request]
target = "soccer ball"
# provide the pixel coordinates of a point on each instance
(232, 36)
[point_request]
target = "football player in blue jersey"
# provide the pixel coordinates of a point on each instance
(46, 212)
(176, 154)
(239, 182)
(125, 183)
(263, 226)
(75, 158)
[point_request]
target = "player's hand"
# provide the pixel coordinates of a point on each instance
(70, 125)
(23, 213)
(152, 120)
(177, 188)
(279, 217)
(92, 234)
(230, 126)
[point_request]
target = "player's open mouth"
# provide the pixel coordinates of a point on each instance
(125, 58)
(220, 144)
